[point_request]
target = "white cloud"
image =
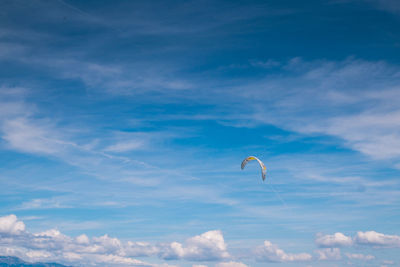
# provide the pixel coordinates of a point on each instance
(271, 252)
(139, 249)
(11, 225)
(172, 251)
(52, 245)
(329, 254)
(360, 256)
(377, 239)
(230, 264)
(335, 240)
(82, 239)
(370, 238)
(205, 247)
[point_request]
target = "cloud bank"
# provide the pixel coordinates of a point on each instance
(52, 245)
(369, 238)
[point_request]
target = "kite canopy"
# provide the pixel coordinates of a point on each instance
(263, 168)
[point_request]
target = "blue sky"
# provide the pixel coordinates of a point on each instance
(123, 125)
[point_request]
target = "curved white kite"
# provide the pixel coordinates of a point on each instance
(263, 168)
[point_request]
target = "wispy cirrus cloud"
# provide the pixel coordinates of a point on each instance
(322, 97)
(25, 135)
(124, 146)
(333, 98)
(38, 203)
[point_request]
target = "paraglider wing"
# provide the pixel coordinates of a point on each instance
(263, 168)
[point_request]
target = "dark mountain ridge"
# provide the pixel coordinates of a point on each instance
(7, 261)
